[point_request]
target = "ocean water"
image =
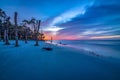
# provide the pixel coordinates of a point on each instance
(106, 48)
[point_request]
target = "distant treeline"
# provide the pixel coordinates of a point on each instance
(28, 29)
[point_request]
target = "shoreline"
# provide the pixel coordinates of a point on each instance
(28, 62)
(87, 52)
(67, 47)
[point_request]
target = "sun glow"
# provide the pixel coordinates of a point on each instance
(53, 29)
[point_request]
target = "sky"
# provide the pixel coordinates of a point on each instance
(70, 19)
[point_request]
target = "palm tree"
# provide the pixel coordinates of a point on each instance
(16, 30)
(37, 31)
(33, 22)
(5, 22)
(33, 25)
(36, 26)
(1, 22)
(41, 36)
(0, 29)
(11, 32)
(1, 14)
(6, 31)
(5, 25)
(25, 22)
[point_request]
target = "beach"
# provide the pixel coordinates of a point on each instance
(29, 62)
(60, 40)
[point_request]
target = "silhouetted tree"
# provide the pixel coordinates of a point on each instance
(32, 22)
(42, 36)
(11, 31)
(25, 22)
(37, 27)
(0, 29)
(4, 24)
(0, 23)
(7, 24)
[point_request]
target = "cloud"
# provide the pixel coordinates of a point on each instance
(65, 17)
(100, 31)
(70, 14)
(53, 28)
(98, 20)
(106, 37)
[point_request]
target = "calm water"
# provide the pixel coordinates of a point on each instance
(107, 48)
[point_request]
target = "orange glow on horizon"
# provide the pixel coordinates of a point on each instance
(59, 37)
(73, 37)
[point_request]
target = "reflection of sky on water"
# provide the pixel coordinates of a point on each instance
(103, 48)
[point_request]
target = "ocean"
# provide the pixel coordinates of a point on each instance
(106, 48)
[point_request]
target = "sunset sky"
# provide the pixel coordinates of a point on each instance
(70, 19)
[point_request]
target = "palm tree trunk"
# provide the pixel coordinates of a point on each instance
(37, 32)
(36, 44)
(16, 30)
(0, 36)
(16, 38)
(26, 37)
(6, 37)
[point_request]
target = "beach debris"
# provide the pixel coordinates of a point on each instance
(64, 44)
(47, 48)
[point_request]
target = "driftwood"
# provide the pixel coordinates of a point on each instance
(47, 48)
